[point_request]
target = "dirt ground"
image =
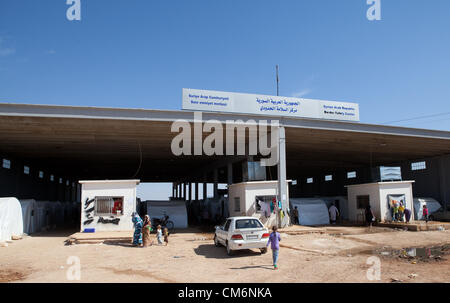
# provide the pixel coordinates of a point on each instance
(339, 254)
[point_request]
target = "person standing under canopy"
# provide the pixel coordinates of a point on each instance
(369, 215)
(334, 213)
(137, 236)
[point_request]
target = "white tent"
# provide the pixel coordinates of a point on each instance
(176, 210)
(43, 215)
(311, 211)
(431, 204)
(30, 217)
(11, 221)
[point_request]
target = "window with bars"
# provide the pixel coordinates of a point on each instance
(362, 202)
(418, 165)
(351, 174)
(237, 204)
(265, 199)
(108, 206)
(6, 163)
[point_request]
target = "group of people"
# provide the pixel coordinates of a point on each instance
(143, 229)
(399, 212)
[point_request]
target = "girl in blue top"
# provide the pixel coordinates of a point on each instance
(274, 241)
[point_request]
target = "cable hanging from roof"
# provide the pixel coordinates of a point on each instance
(417, 118)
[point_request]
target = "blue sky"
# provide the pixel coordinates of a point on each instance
(141, 53)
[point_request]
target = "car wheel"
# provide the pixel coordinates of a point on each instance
(229, 250)
(216, 241)
(263, 250)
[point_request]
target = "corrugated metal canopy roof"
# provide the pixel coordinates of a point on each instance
(100, 143)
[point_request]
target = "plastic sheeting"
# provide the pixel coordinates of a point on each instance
(29, 216)
(311, 211)
(176, 210)
(42, 216)
(46, 215)
(431, 204)
(11, 221)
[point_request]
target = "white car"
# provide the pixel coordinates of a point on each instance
(242, 233)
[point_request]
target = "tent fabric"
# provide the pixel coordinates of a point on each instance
(176, 210)
(29, 215)
(431, 204)
(11, 220)
(311, 211)
(43, 213)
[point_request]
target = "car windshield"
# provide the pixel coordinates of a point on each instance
(248, 223)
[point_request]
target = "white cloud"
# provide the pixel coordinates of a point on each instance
(302, 93)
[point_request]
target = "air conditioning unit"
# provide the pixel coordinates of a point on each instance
(386, 173)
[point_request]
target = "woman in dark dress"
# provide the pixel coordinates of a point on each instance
(147, 228)
(369, 215)
(137, 236)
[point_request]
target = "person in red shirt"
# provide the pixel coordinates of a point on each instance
(425, 213)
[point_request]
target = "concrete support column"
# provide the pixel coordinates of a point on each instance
(190, 192)
(230, 173)
(196, 191)
(282, 184)
(205, 187)
(216, 183)
(443, 182)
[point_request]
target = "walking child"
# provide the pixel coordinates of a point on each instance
(425, 213)
(166, 236)
(274, 241)
(159, 235)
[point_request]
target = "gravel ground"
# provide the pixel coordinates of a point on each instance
(192, 257)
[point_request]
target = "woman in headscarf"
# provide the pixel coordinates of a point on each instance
(137, 237)
(369, 215)
(147, 228)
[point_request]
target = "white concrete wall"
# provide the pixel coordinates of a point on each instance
(395, 189)
(125, 189)
(362, 190)
(378, 197)
(247, 192)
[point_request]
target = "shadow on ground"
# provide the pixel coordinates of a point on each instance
(211, 251)
(270, 267)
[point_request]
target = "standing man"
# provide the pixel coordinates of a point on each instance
(295, 213)
(334, 213)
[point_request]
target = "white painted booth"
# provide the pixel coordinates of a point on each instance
(378, 195)
(243, 200)
(108, 205)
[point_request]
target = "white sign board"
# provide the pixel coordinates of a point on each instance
(204, 100)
